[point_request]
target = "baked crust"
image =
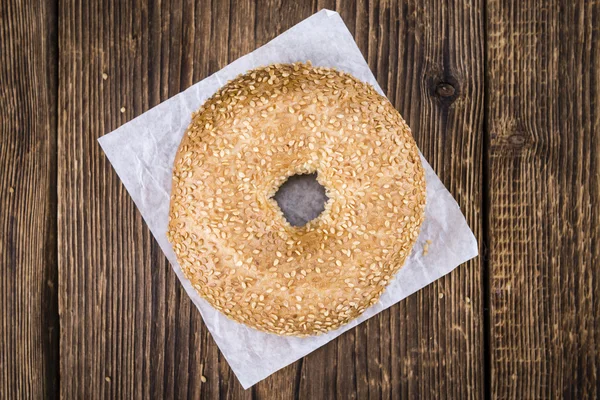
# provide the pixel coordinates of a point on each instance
(230, 237)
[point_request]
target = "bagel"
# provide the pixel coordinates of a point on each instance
(231, 239)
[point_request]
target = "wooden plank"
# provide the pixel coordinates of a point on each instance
(544, 198)
(128, 329)
(28, 278)
(428, 57)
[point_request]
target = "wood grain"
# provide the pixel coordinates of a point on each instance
(127, 327)
(544, 198)
(504, 101)
(437, 333)
(28, 281)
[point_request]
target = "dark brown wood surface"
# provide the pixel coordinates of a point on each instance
(544, 198)
(504, 101)
(28, 257)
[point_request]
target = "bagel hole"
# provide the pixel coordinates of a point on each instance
(301, 199)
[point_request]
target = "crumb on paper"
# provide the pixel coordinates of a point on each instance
(426, 247)
(203, 378)
(123, 109)
(104, 76)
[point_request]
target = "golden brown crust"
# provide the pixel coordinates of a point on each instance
(229, 235)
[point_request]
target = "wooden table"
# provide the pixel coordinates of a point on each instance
(504, 101)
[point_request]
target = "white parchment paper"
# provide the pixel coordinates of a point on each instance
(142, 152)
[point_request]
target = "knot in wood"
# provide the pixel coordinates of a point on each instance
(445, 89)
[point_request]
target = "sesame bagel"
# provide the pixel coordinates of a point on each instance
(231, 239)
